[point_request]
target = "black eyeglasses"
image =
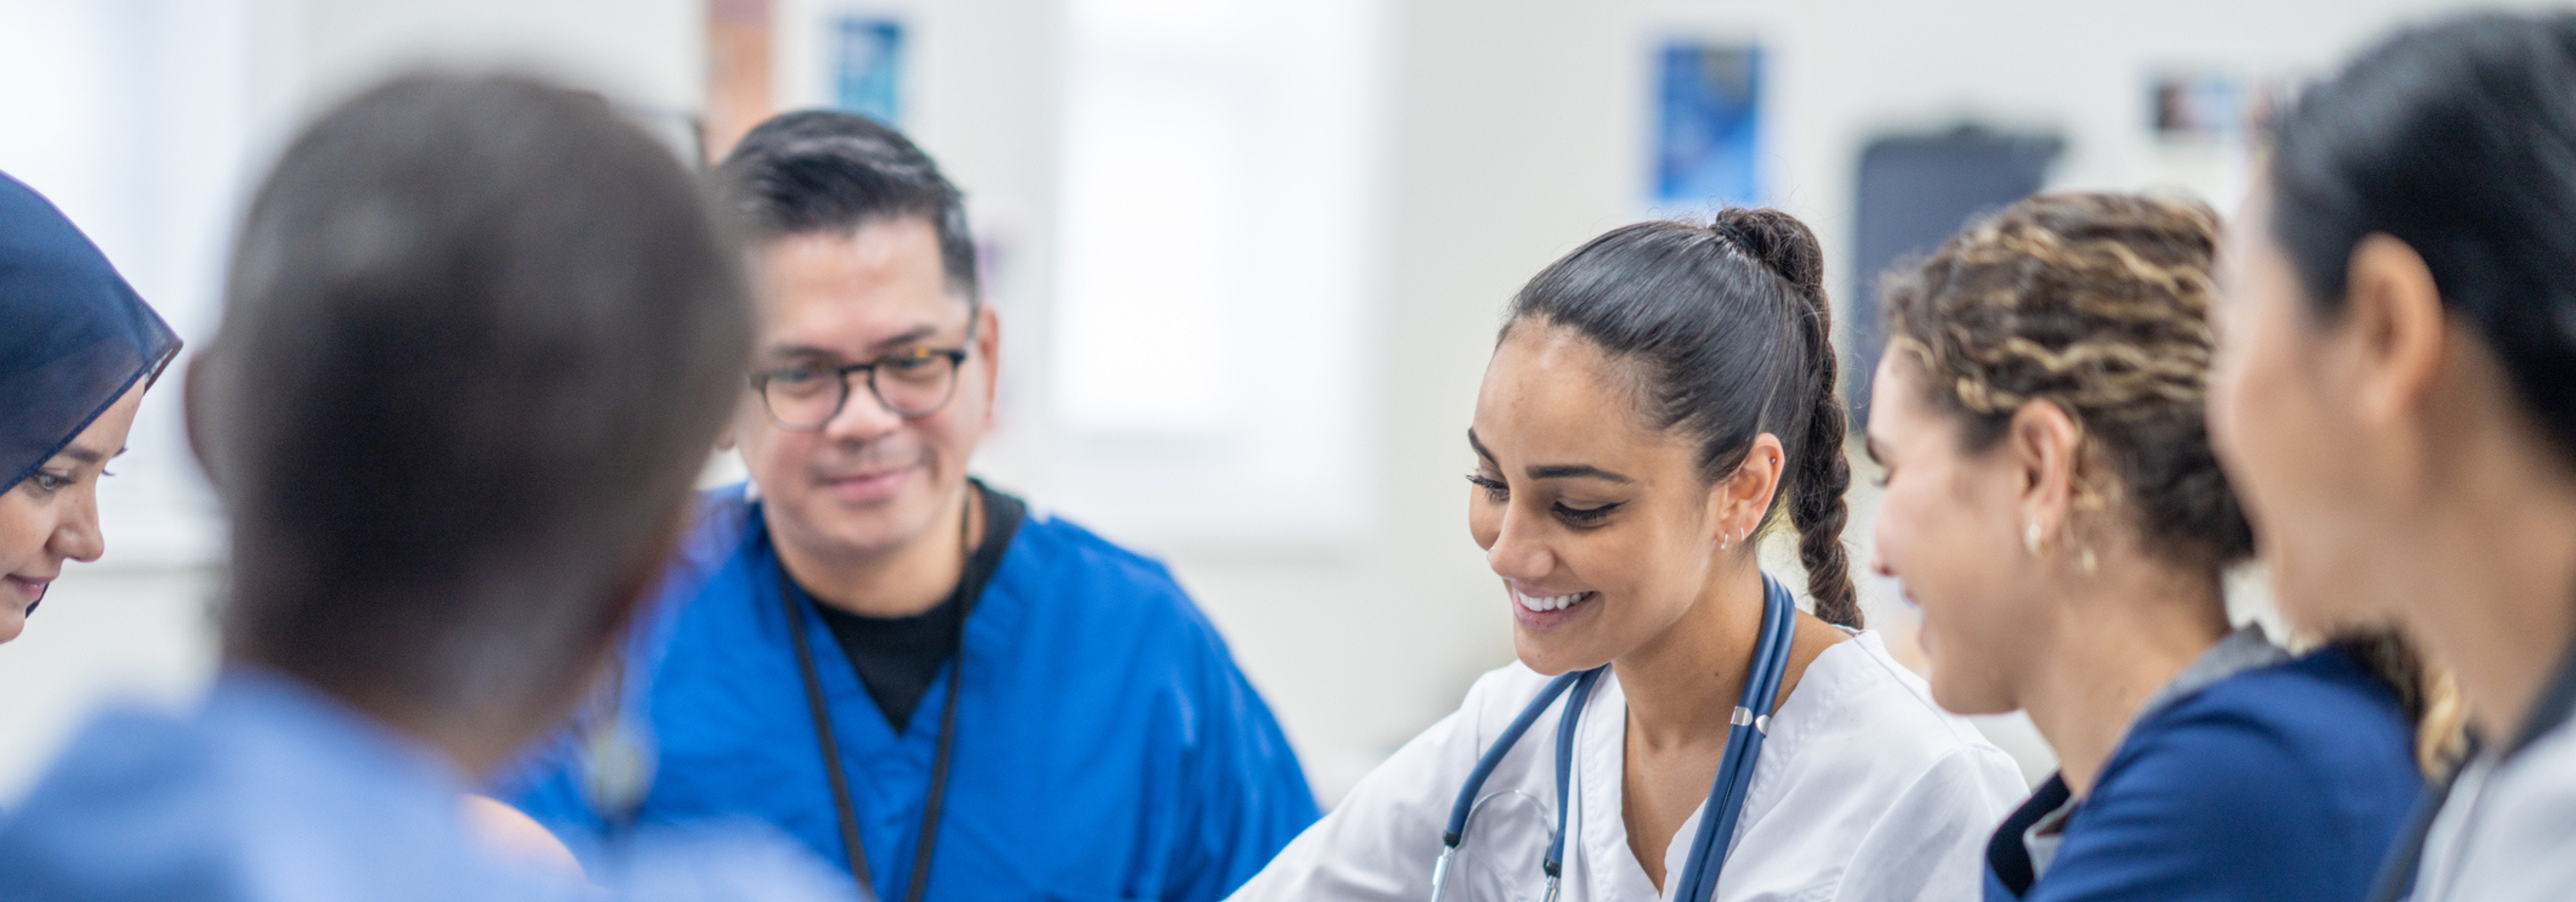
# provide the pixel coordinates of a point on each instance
(914, 383)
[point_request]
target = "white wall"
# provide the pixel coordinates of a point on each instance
(1515, 130)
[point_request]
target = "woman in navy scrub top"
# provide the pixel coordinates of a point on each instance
(2055, 510)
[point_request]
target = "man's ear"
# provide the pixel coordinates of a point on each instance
(988, 350)
(2398, 329)
(2044, 442)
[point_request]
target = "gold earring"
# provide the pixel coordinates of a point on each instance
(2030, 540)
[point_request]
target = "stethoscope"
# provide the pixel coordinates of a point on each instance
(1751, 721)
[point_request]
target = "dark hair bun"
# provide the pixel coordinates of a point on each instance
(1779, 242)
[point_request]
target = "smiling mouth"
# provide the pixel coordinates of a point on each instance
(1544, 603)
(870, 476)
(35, 590)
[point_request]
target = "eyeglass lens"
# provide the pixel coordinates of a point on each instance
(808, 397)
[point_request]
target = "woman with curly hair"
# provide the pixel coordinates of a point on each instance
(2054, 508)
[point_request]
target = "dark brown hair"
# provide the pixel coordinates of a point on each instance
(1731, 331)
(479, 337)
(829, 171)
(2456, 138)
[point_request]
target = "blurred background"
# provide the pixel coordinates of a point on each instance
(1250, 254)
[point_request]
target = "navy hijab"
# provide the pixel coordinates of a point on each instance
(73, 336)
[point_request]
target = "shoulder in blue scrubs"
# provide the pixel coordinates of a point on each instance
(1106, 746)
(2284, 780)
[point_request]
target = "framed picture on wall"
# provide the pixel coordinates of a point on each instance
(1707, 121)
(867, 60)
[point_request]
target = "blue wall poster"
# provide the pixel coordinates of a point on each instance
(867, 67)
(1708, 115)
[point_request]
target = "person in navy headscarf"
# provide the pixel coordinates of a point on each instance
(77, 349)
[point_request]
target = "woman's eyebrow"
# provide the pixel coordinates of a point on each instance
(1551, 471)
(1480, 447)
(1576, 471)
(88, 455)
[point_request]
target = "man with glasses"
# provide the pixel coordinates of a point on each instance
(947, 693)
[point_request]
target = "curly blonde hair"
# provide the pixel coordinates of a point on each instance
(2099, 304)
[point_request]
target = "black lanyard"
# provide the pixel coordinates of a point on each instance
(970, 586)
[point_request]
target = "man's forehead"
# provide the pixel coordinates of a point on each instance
(858, 333)
(856, 292)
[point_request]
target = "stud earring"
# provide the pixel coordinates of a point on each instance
(2030, 540)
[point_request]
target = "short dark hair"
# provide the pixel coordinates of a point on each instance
(2459, 139)
(825, 171)
(479, 337)
(1731, 333)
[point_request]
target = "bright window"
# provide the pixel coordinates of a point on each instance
(1208, 334)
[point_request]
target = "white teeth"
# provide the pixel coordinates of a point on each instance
(1550, 602)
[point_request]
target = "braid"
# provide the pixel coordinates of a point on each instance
(1823, 476)
(1816, 480)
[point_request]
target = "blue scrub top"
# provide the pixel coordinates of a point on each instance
(1107, 747)
(275, 792)
(2286, 782)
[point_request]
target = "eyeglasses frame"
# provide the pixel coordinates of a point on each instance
(956, 364)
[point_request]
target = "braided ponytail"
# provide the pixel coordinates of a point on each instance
(1818, 473)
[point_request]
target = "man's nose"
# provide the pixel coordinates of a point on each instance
(863, 417)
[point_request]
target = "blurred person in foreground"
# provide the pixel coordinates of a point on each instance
(2395, 398)
(478, 335)
(77, 350)
(931, 684)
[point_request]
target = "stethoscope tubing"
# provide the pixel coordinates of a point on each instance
(1748, 725)
(1566, 723)
(1743, 750)
(1455, 831)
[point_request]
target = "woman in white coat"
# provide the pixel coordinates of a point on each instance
(1656, 398)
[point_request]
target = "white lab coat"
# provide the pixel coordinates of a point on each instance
(1865, 790)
